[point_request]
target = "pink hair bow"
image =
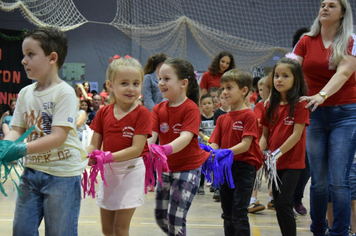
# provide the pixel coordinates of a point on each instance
(118, 57)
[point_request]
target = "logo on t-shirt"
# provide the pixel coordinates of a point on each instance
(47, 122)
(177, 128)
(164, 127)
(238, 126)
(128, 132)
(289, 121)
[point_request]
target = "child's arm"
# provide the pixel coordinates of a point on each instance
(214, 146)
(15, 133)
(264, 138)
(153, 139)
(135, 150)
(293, 139)
(55, 139)
(243, 146)
(95, 142)
(182, 141)
(203, 136)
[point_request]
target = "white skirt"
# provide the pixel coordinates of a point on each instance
(125, 185)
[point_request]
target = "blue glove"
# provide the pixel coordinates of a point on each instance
(10, 151)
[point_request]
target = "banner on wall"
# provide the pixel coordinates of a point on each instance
(12, 74)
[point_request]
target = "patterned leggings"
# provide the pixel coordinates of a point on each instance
(173, 200)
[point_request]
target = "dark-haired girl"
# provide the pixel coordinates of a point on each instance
(284, 121)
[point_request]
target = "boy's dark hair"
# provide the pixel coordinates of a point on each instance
(298, 34)
(51, 39)
(240, 77)
(153, 62)
(185, 70)
(207, 95)
(213, 89)
(298, 89)
(215, 64)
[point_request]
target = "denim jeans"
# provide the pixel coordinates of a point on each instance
(56, 199)
(331, 143)
(234, 202)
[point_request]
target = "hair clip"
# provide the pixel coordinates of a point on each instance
(291, 56)
(197, 76)
(118, 57)
(115, 57)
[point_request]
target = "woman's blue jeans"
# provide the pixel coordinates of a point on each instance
(331, 144)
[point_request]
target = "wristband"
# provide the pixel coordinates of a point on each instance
(277, 153)
(206, 138)
(168, 150)
(109, 157)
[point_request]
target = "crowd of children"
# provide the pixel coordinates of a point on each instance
(226, 121)
(231, 118)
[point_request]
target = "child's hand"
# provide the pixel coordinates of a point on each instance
(92, 162)
(160, 149)
(105, 157)
(10, 151)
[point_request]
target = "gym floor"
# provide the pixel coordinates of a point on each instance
(203, 217)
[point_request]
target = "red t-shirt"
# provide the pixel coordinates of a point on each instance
(231, 128)
(118, 134)
(258, 111)
(209, 80)
(169, 122)
(280, 131)
(253, 98)
(317, 72)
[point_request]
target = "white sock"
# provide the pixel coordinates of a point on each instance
(253, 200)
(270, 198)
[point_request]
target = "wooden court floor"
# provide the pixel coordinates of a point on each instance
(203, 218)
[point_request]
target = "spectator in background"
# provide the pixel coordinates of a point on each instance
(104, 94)
(151, 93)
(83, 118)
(96, 106)
(80, 93)
(89, 96)
(222, 62)
(7, 116)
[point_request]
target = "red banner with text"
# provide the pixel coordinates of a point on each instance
(12, 74)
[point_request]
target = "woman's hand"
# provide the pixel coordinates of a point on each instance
(314, 101)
